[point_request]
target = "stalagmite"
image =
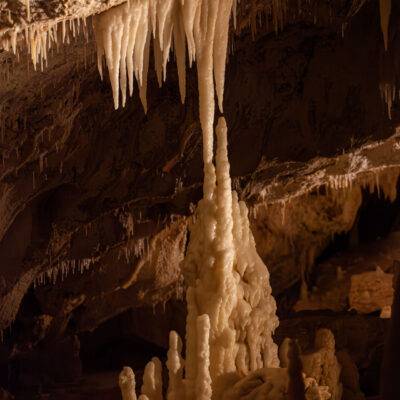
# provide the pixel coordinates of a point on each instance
(231, 312)
(176, 389)
(203, 380)
(323, 366)
(127, 384)
(152, 380)
(228, 281)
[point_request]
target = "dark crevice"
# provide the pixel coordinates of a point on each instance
(112, 346)
(377, 217)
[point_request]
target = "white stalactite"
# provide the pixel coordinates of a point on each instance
(28, 9)
(204, 32)
(189, 9)
(220, 47)
(122, 35)
(180, 49)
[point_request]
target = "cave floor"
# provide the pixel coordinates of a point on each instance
(99, 386)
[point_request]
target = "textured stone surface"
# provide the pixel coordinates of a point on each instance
(366, 267)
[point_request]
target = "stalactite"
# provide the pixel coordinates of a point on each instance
(385, 7)
(63, 269)
(122, 35)
(28, 9)
(41, 38)
(180, 49)
(388, 94)
(220, 47)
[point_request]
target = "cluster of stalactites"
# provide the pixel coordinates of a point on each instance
(124, 33)
(41, 38)
(194, 28)
(388, 89)
(63, 269)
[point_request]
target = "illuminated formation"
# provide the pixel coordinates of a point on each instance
(230, 353)
(231, 312)
(231, 317)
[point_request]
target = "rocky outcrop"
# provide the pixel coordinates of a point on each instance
(365, 276)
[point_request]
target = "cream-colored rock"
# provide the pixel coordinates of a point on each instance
(315, 392)
(176, 388)
(127, 384)
(152, 380)
(229, 282)
(372, 291)
(266, 383)
(322, 364)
